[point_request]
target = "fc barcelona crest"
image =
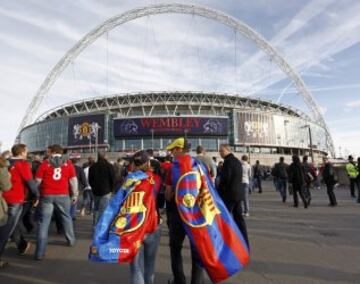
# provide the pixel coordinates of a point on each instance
(195, 202)
(132, 214)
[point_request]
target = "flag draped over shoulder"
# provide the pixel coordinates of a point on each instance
(130, 215)
(207, 222)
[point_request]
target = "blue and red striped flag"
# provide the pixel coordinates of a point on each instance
(207, 222)
(130, 215)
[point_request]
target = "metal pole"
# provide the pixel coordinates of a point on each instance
(311, 145)
(96, 137)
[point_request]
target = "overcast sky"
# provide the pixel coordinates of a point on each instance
(319, 39)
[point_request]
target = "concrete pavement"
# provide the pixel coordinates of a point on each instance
(320, 244)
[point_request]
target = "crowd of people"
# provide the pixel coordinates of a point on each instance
(299, 177)
(33, 194)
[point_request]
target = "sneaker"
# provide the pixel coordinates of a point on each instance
(82, 212)
(26, 250)
(246, 214)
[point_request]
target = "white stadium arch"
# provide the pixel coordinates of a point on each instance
(176, 8)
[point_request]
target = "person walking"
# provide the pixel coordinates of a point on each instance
(229, 187)
(143, 267)
(207, 161)
(279, 172)
(82, 184)
(88, 197)
(257, 174)
(179, 148)
(309, 175)
(297, 180)
(244, 187)
(21, 181)
(352, 172)
(54, 177)
(102, 182)
(328, 176)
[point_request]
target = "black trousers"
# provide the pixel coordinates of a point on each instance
(299, 189)
(235, 210)
(352, 186)
(177, 236)
(331, 194)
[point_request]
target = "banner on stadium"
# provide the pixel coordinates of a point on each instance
(171, 126)
(83, 130)
(255, 128)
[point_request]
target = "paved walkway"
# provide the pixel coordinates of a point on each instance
(289, 245)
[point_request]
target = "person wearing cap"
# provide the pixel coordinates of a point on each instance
(352, 172)
(178, 148)
(328, 176)
(142, 268)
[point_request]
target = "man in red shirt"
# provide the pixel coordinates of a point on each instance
(21, 181)
(54, 176)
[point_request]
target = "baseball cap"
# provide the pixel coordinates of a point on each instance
(139, 158)
(178, 143)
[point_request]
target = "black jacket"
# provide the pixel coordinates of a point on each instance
(102, 177)
(280, 170)
(230, 179)
(296, 174)
(328, 174)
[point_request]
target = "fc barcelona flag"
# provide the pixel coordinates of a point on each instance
(130, 215)
(207, 222)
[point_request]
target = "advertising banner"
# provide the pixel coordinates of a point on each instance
(86, 130)
(255, 128)
(171, 126)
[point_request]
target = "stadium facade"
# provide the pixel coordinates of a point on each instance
(128, 122)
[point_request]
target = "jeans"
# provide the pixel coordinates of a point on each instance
(244, 187)
(358, 186)
(177, 236)
(100, 203)
(281, 187)
(47, 205)
(88, 200)
(14, 213)
(18, 234)
(143, 267)
(73, 208)
(257, 183)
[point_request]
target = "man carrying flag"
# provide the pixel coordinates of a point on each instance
(216, 242)
(127, 230)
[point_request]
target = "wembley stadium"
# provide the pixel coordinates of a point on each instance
(129, 122)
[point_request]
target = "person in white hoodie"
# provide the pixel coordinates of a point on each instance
(244, 187)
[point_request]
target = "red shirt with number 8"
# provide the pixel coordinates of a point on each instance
(55, 181)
